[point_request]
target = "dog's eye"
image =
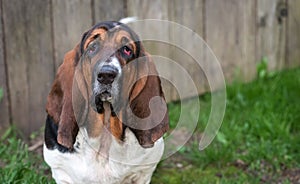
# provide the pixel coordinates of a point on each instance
(126, 51)
(93, 49)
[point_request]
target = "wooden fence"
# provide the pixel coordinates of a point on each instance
(35, 34)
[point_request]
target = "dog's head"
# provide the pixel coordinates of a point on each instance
(107, 48)
(109, 65)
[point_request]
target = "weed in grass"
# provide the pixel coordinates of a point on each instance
(1, 94)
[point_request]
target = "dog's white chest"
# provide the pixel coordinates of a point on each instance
(121, 163)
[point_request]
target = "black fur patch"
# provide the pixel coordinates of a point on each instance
(51, 137)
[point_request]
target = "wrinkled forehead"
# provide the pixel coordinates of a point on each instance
(109, 32)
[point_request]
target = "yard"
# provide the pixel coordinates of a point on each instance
(258, 142)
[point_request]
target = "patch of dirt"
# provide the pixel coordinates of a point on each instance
(268, 174)
(36, 145)
(292, 175)
(178, 160)
(2, 164)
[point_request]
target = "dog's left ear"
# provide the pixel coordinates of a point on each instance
(149, 119)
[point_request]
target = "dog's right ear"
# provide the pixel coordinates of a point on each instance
(59, 101)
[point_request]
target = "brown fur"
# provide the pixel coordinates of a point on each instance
(139, 97)
(97, 32)
(59, 101)
(116, 126)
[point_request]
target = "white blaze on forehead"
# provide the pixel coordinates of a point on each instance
(115, 90)
(115, 63)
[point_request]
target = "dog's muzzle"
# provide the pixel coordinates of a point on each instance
(106, 82)
(106, 77)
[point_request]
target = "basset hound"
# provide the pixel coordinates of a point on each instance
(106, 112)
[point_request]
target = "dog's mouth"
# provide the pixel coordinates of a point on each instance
(105, 93)
(105, 96)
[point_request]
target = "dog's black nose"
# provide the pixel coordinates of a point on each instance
(107, 74)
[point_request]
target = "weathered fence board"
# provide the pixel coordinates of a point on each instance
(70, 20)
(293, 33)
(116, 10)
(29, 52)
(189, 15)
(35, 35)
(4, 103)
(153, 10)
(271, 31)
(230, 32)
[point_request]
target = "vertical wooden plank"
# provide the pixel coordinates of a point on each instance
(271, 31)
(293, 36)
(4, 102)
(29, 52)
(155, 9)
(70, 20)
(190, 15)
(109, 10)
(40, 56)
(230, 32)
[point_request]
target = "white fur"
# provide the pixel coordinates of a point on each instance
(115, 90)
(115, 62)
(127, 20)
(125, 162)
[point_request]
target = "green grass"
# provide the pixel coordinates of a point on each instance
(1, 93)
(17, 164)
(258, 141)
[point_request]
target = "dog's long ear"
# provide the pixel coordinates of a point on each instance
(59, 101)
(149, 119)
